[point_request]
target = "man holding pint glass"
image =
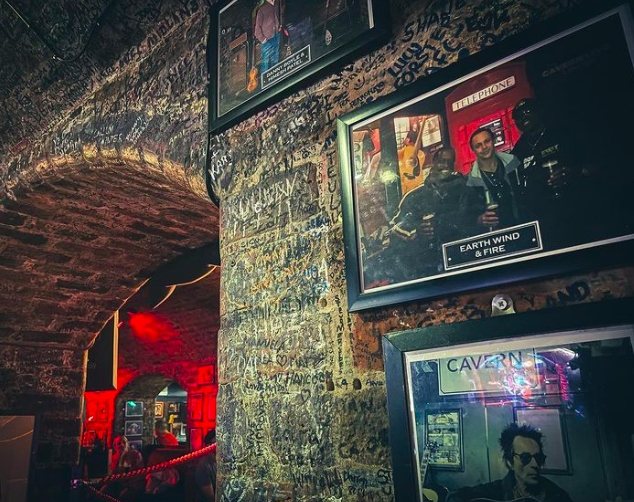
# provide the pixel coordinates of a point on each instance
(496, 174)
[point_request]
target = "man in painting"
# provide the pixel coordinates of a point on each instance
(523, 454)
(428, 216)
(554, 182)
(495, 175)
(299, 24)
(267, 31)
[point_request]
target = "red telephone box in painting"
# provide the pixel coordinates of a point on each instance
(486, 101)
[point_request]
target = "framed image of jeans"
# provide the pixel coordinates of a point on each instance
(540, 396)
(550, 420)
(483, 172)
(259, 49)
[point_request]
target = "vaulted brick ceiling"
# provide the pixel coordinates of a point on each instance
(78, 243)
(74, 248)
(68, 49)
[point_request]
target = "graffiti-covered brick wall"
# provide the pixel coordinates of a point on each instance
(302, 399)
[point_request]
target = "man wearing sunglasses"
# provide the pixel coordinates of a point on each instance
(523, 454)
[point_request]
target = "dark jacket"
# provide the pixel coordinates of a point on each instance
(502, 489)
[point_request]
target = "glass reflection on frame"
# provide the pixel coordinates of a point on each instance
(566, 386)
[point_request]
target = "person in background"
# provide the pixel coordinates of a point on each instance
(206, 472)
(523, 453)
(162, 435)
(125, 459)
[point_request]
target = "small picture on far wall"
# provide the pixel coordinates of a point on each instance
(133, 428)
(159, 409)
(173, 407)
(134, 408)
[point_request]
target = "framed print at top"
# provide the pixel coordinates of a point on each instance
(134, 408)
(546, 385)
(485, 172)
(550, 420)
(260, 49)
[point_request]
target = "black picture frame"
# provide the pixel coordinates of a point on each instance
(494, 330)
(389, 257)
(356, 27)
(133, 428)
(134, 408)
(443, 429)
(19, 437)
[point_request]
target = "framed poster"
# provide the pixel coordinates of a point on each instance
(534, 390)
(133, 428)
(207, 374)
(260, 50)
(173, 407)
(195, 438)
(483, 172)
(550, 420)
(195, 406)
(134, 408)
(159, 409)
(443, 429)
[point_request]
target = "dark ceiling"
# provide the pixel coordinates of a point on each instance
(54, 53)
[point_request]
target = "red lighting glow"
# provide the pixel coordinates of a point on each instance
(150, 326)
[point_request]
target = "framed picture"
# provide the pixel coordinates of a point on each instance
(136, 444)
(550, 420)
(195, 406)
(133, 428)
(173, 407)
(261, 50)
(443, 430)
(134, 408)
(195, 438)
(159, 409)
(211, 407)
(512, 378)
(207, 374)
(483, 173)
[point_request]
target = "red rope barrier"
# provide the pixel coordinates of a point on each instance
(147, 470)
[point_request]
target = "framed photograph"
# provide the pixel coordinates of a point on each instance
(195, 438)
(173, 407)
(195, 406)
(262, 50)
(134, 408)
(136, 444)
(133, 428)
(484, 173)
(159, 409)
(443, 430)
(499, 372)
(207, 374)
(550, 420)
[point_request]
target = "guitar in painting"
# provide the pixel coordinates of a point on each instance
(429, 495)
(411, 160)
